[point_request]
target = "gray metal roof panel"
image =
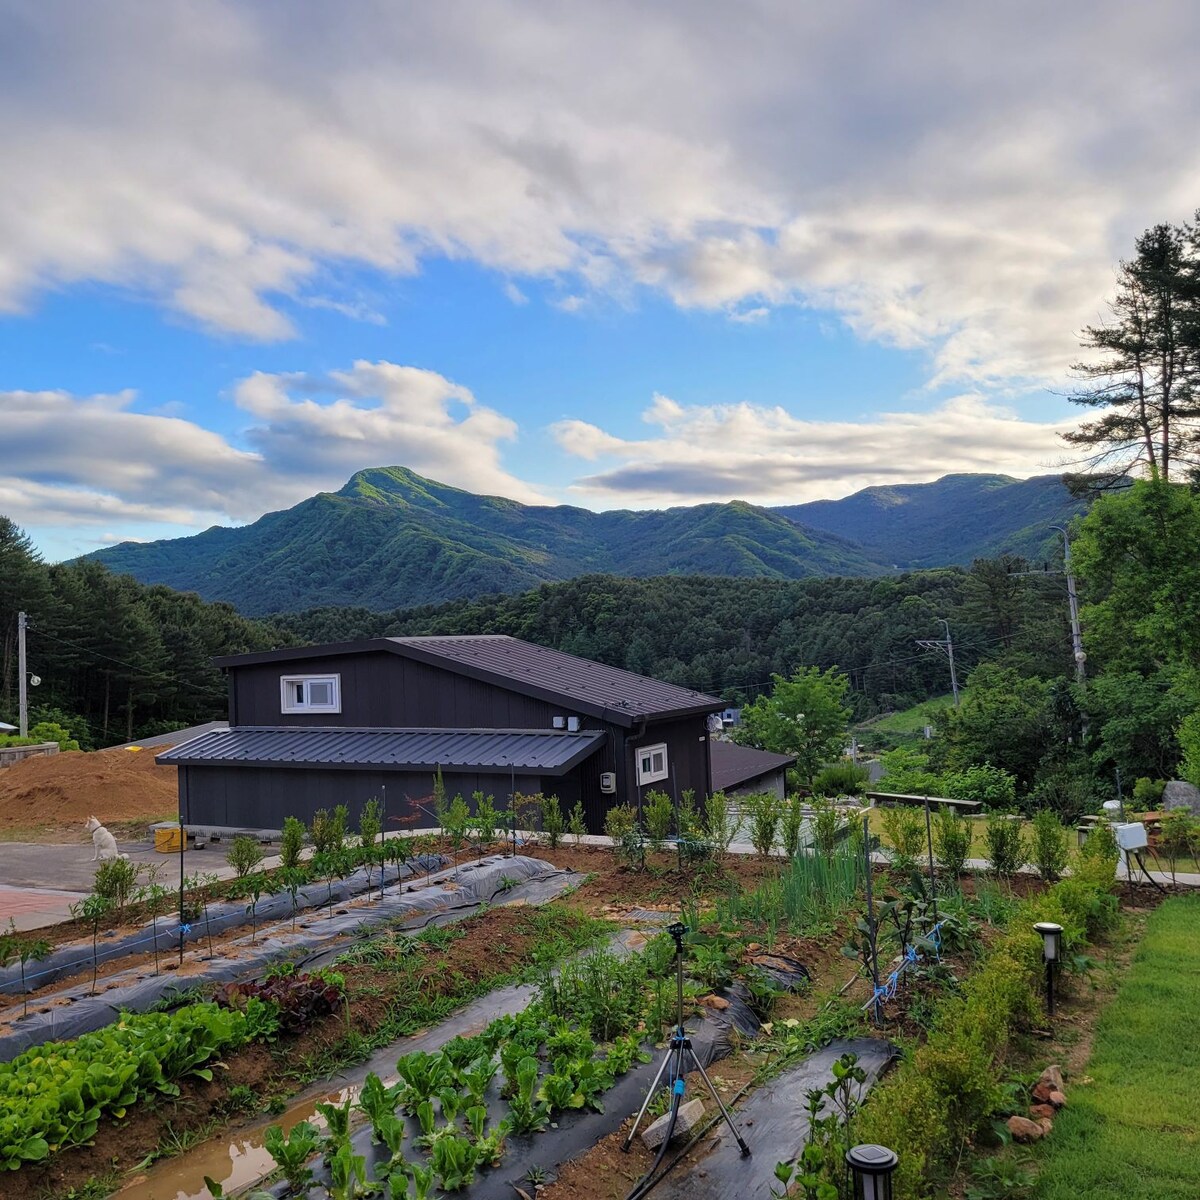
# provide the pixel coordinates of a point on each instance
(733, 764)
(551, 752)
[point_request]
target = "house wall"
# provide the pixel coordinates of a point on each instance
(384, 690)
(687, 759)
(772, 781)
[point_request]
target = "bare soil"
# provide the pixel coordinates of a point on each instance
(44, 796)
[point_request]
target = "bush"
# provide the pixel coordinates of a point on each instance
(658, 813)
(577, 825)
(455, 820)
(951, 842)
(370, 824)
(1148, 793)
(840, 779)
(793, 825)
(906, 773)
(1179, 836)
(722, 823)
(620, 824)
(486, 818)
(991, 786)
(116, 881)
(1098, 857)
(553, 821)
(764, 810)
(244, 855)
(825, 826)
(1049, 846)
(1006, 849)
(291, 843)
(905, 831)
(51, 731)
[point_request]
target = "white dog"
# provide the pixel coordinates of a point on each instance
(105, 843)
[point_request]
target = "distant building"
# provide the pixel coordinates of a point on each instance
(742, 770)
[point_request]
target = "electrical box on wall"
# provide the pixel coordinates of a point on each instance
(608, 782)
(572, 724)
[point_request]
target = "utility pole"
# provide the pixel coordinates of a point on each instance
(22, 693)
(1073, 601)
(947, 648)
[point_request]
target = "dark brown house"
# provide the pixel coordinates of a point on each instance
(323, 725)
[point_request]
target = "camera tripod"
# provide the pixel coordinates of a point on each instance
(674, 1065)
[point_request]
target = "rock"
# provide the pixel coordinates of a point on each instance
(1040, 1111)
(1041, 1092)
(1052, 1077)
(689, 1117)
(1023, 1129)
(715, 1002)
(1058, 1099)
(1046, 1125)
(1178, 794)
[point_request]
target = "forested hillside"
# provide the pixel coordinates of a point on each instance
(728, 636)
(391, 537)
(116, 659)
(955, 519)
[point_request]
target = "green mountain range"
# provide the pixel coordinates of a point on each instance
(392, 538)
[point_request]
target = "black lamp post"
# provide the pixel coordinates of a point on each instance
(871, 1169)
(1051, 935)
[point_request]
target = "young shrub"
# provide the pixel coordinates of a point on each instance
(659, 814)
(1148, 793)
(553, 822)
(951, 842)
(825, 822)
(486, 818)
(904, 829)
(455, 820)
(1006, 849)
(1098, 857)
(764, 810)
(843, 778)
(620, 824)
(722, 823)
(1049, 845)
(116, 881)
(323, 833)
(687, 816)
(341, 825)
(1179, 837)
(793, 825)
(291, 844)
(370, 824)
(577, 825)
(244, 855)
(26, 949)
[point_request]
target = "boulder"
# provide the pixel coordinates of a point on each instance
(690, 1115)
(1040, 1111)
(1058, 1099)
(1041, 1092)
(1178, 794)
(1025, 1130)
(1052, 1077)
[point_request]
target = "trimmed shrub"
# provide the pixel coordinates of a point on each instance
(658, 811)
(244, 856)
(1006, 849)
(951, 842)
(291, 844)
(1049, 847)
(840, 779)
(764, 810)
(905, 831)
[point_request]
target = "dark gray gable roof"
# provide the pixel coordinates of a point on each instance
(544, 751)
(580, 685)
(733, 765)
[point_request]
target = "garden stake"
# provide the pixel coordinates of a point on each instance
(932, 876)
(674, 1058)
(876, 1008)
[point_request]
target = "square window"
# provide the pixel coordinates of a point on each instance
(311, 693)
(652, 764)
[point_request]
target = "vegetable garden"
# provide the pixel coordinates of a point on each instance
(784, 956)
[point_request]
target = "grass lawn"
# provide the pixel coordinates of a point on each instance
(1134, 1131)
(909, 722)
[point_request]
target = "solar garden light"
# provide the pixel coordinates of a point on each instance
(871, 1169)
(1051, 935)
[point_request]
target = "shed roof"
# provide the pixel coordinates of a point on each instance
(544, 751)
(175, 738)
(734, 765)
(610, 693)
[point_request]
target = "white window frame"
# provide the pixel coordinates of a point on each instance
(289, 705)
(651, 775)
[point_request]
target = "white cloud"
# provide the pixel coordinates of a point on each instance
(955, 178)
(514, 293)
(71, 461)
(769, 456)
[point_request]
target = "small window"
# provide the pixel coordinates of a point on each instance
(311, 693)
(651, 763)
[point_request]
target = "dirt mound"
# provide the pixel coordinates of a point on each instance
(65, 789)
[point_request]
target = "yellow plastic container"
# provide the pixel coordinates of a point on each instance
(168, 841)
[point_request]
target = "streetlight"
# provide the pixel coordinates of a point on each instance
(871, 1168)
(1051, 935)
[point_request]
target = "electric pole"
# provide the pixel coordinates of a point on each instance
(22, 693)
(947, 648)
(1073, 601)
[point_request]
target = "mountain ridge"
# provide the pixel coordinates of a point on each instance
(390, 537)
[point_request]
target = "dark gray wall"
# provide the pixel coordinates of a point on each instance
(385, 690)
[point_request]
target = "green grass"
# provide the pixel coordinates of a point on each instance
(909, 722)
(1135, 1130)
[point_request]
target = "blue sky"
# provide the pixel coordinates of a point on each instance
(680, 253)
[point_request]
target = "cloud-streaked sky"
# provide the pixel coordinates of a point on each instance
(620, 254)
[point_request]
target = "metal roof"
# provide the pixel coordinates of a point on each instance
(580, 685)
(733, 765)
(544, 751)
(175, 738)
